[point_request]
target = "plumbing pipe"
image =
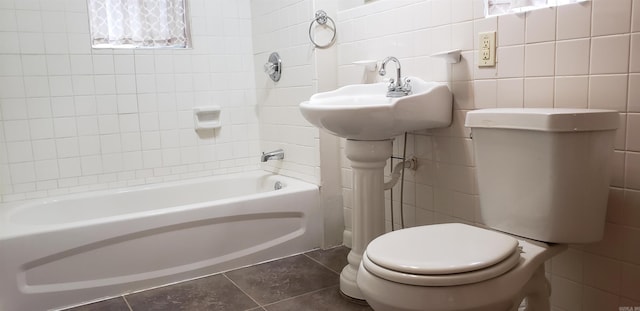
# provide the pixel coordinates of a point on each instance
(395, 175)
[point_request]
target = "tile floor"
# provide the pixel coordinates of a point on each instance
(302, 282)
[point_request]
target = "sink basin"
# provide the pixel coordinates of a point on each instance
(364, 112)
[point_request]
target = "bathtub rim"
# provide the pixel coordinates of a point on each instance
(9, 229)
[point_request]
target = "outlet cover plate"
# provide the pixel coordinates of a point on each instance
(487, 49)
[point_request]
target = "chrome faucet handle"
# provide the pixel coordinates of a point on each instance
(406, 85)
(392, 85)
(270, 68)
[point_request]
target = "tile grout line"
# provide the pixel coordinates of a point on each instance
(238, 287)
(323, 265)
(294, 297)
(259, 305)
(126, 302)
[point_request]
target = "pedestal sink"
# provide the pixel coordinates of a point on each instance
(368, 119)
(364, 112)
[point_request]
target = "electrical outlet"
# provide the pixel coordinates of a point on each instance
(485, 54)
(486, 42)
(487, 49)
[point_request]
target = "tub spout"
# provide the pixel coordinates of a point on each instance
(273, 155)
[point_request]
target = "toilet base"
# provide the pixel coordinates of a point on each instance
(537, 292)
(350, 299)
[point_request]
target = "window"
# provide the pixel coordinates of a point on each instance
(499, 7)
(138, 23)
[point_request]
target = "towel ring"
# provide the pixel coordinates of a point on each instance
(321, 18)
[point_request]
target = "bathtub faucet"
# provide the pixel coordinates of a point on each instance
(275, 155)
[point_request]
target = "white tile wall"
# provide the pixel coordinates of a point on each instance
(574, 21)
(580, 55)
(572, 92)
(610, 54)
(513, 60)
(610, 17)
(283, 28)
(541, 25)
(539, 59)
(76, 119)
(510, 93)
(572, 57)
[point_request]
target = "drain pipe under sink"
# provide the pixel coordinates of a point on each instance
(397, 170)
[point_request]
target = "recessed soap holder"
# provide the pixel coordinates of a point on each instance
(206, 117)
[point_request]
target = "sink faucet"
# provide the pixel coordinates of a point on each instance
(400, 86)
(275, 155)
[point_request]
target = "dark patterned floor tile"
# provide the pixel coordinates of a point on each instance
(333, 258)
(328, 299)
(114, 304)
(285, 278)
(211, 293)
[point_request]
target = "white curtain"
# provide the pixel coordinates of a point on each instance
(138, 23)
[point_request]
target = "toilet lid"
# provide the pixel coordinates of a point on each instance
(441, 249)
(442, 279)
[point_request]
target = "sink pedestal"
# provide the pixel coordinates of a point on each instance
(368, 118)
(368, 159)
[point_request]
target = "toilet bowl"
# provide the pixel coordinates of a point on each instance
(543, 182)
(472, 269)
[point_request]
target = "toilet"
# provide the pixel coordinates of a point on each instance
(543, 181)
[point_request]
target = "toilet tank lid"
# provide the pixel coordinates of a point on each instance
(544, 119)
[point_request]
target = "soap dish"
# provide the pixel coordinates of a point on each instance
(206, 117)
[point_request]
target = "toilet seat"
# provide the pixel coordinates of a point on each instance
(441, 255)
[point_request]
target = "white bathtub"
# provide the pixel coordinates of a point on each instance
(63, 251)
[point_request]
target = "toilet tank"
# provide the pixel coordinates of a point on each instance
(543, 174)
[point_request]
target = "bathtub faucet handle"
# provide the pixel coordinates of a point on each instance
(273, 155)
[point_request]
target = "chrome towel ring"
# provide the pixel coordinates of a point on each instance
(321, 18)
